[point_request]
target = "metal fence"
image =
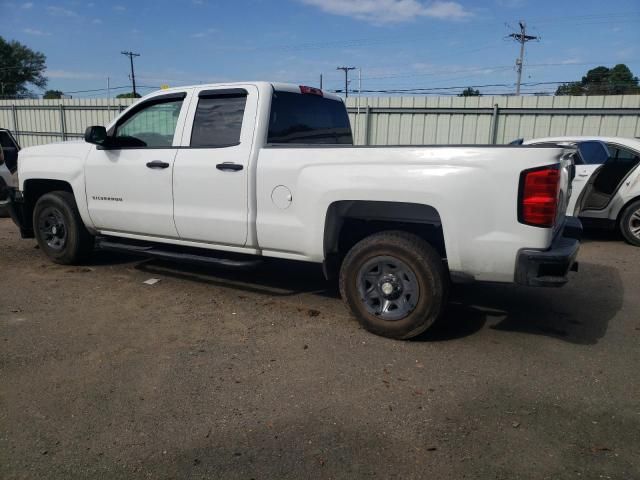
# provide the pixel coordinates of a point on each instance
(491, 119)
(36, 122)
(380, 120)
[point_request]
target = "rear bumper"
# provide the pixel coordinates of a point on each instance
(550, 268)
(18, 212)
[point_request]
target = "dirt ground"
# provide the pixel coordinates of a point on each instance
(264, 375)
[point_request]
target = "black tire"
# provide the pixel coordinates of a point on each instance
(630, 223)
(4, 212)
(417, 312)
(59, 230)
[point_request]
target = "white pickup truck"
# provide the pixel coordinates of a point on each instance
(229, 173)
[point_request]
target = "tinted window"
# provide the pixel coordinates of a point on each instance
(624, 155)
(152, 127)
(298, 118)
(218, 121)
(5, 140)
(593, 153)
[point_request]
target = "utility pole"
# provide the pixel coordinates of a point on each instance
(521, 38)
(346, 79)
(320, 81)
(133, 75)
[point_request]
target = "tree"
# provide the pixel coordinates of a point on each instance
(603, 81)
(129, 95)
(20, 67)
(470, 92)
(52, 95)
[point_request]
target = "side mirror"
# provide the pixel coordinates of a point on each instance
(96, 135)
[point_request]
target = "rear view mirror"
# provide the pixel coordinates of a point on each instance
(97, 135)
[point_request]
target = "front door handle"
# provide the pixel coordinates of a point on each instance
(229, 167)
(157, 164)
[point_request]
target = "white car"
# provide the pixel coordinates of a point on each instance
(8, 165)
(606, 187)
(269, 170)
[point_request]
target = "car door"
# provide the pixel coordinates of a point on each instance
(608, 181)
(591, 156)
(10, 149)
(211, 170)
(129, 183)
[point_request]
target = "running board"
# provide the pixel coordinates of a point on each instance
(177, 254)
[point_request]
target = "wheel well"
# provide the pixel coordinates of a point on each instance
(36, 188)
(347, 222)
(622, 210)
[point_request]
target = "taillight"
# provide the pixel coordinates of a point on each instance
(538, 198)
(311, 90)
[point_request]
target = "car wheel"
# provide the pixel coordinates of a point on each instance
(4, 212)
(395, 283)
(630, 223)
(59, 230)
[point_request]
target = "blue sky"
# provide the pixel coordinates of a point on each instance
(399, 44)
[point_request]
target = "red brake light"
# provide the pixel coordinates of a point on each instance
(311, 91)
(539, 190)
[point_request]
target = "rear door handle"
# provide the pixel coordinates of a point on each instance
(157, 164)
(229, 167)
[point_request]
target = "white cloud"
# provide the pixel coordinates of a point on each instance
(206, 33)
(36, 32)
(66, 74)
(61, 12)
(27, 5)
(391, 11)
(96, 21)
(512, 3)
(120, 8)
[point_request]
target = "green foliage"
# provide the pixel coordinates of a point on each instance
(129, 95)
(52, 95)
(20, 67)
(470, 92)
(618, 80)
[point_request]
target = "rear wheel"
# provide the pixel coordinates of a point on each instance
(394, 283)
(59, 230)
(630, 223)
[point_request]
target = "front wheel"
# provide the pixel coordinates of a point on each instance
(395, 284)
(59, 230)
(630, 224)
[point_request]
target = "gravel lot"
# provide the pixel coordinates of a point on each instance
(263, 374)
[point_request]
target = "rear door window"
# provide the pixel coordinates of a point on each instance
(218, 119)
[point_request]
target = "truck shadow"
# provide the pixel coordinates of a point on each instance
(591, 235)
(278, 278)
(572, 313)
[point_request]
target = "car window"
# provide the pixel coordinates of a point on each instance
(5, 140)
(623, 155)
(218, 120)
(311, 119)
(151, 127)
(593, 153)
